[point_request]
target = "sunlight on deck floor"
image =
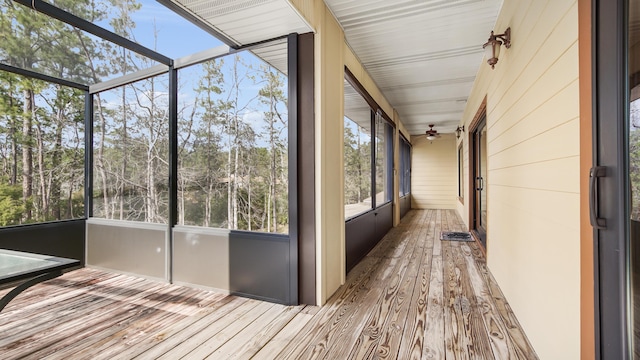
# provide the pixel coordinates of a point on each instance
(412, 297)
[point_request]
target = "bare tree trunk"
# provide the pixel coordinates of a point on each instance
(268, 205)
(235, 185)
(249, 201)
(152, 208)
(229, 185)
(123, 170)
(14, 145)
(151, 213)
(207, 206)
(27, 154)
(273, 174)
(56, 161)
(44, 193)
(100, 162)
(181, 201)
(265, 212)
(100, 157)
(284, 178)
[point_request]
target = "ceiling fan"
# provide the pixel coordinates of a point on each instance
(431, 133)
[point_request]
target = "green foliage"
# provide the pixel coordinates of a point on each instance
(11, 205)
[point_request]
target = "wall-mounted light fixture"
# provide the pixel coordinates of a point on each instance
(459, 130)
(492, 46)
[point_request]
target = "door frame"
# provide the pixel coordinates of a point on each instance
(611, 203)
(481, 114)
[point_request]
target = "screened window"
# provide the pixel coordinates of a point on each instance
(368, 155)
(233, 145)
(383, 161)
(404, 187)
(357, 153)
(231, 126)
(41, 151)
(131, 152)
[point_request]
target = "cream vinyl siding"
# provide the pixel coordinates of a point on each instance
(533, 235)
(329, 157)
(434, 173)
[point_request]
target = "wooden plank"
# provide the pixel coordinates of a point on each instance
(415, 325)
(99, 331)
(457, 338)
(412, 297)
(47, 295)
(179, 331)
(64, 340)
(348, 320)
(74, 279)
(198, 331)
(505, 324)
(252, 338)
(165, 308)
(361, 340)
(223, 331)
(59, 315)
(476, 339)
(401, 240)
(323, 325)
(390, 338)
(287, 335)
(391, 244)
(434, 340)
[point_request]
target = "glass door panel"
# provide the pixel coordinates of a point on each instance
(483, 178)
(480, 179)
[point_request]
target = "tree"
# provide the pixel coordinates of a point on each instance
(10, 110)
(239, 135)
(272, 95)
(209, 157)
(11, 206)
(35, 42)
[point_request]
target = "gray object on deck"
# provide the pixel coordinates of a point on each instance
(455, 236)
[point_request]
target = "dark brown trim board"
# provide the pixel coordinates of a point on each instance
(473, 126)
(306, 172)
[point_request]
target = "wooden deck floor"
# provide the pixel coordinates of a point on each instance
(412, 297)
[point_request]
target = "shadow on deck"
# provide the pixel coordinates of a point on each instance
(412, 296)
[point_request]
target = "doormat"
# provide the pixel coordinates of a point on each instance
(455, 236)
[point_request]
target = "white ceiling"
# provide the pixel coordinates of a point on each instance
(422, 54)
(243, 22)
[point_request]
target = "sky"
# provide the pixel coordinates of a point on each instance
(177, 37)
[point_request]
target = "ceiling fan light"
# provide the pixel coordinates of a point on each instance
(431, 137)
